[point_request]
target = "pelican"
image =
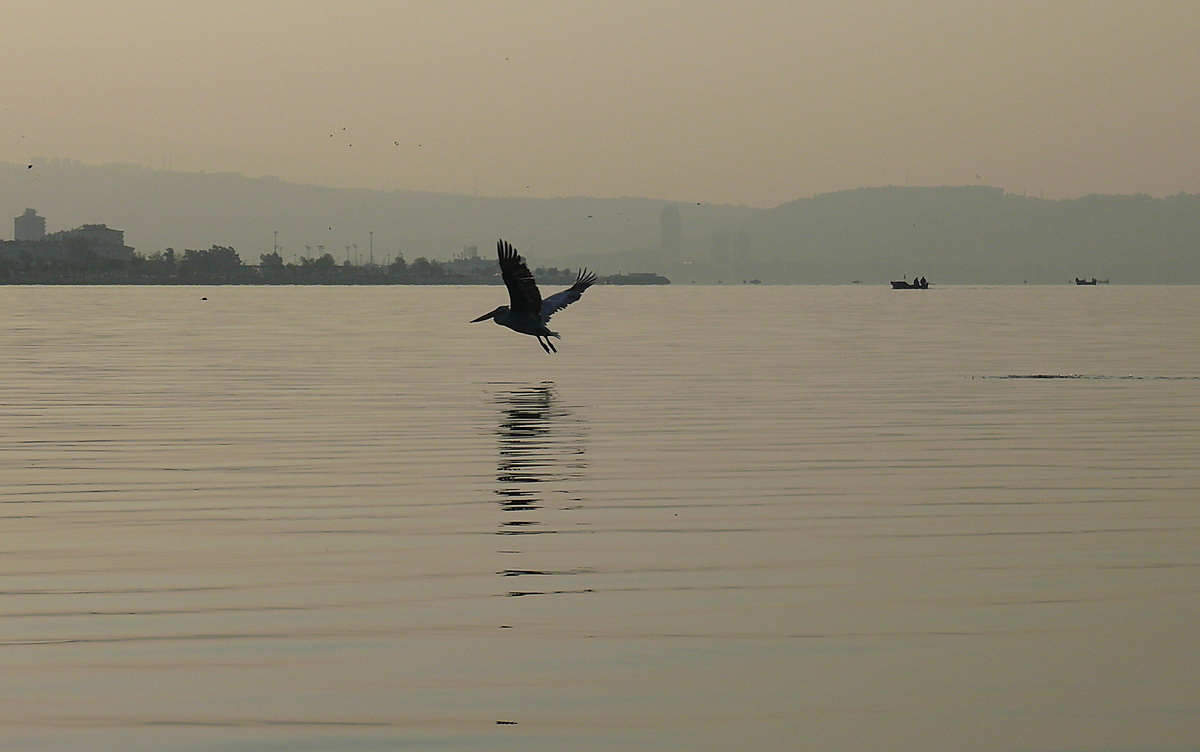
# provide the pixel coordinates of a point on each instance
(526, 312)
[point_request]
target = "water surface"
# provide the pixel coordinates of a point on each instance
(832, 518)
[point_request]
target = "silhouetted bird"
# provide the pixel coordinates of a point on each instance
(526, 312)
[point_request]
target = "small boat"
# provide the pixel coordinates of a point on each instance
(916, 284)
(1079, 281)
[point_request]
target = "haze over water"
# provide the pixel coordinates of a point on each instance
(829, 518)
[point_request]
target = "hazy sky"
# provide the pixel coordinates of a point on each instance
(741, 102)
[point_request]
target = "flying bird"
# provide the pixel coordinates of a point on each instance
(526, 312)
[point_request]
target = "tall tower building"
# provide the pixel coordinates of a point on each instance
(720, 250)
(671, 228)
(29, 226)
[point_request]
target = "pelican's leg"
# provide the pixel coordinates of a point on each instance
(551, 344)
(545, 343)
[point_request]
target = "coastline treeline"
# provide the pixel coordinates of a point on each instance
(223, 265)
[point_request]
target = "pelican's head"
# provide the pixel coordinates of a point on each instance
(491, 315)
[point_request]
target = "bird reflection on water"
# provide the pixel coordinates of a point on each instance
(541, 447)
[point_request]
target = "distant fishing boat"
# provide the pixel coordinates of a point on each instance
(916, 284)
(1079, 281)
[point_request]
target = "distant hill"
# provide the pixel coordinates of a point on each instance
(160, 209)
(950, 235)
(972, 235)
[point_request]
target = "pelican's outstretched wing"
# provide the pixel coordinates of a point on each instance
(561, 300)
(523, 295)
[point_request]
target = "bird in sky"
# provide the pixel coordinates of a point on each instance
(526, 312)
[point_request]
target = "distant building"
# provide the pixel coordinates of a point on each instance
(102, 239)
(30, 238)
(720, 249)
(671, 231)
(29, 226)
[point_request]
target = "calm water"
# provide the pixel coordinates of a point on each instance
(767, 518)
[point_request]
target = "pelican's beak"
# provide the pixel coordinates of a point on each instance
(484, 317)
